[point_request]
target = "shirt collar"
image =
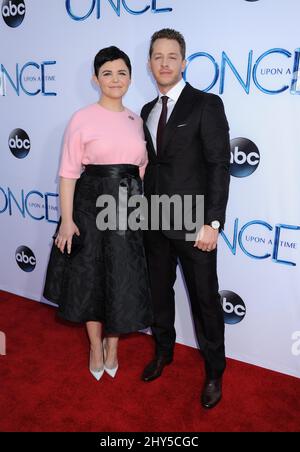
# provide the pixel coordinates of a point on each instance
(174, 92)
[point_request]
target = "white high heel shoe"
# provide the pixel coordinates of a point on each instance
(111, 371)
(97, 373)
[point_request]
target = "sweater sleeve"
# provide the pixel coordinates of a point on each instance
(72, 151)
(142, 168)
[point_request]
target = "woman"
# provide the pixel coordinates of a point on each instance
(99, 276)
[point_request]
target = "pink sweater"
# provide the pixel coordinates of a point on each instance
(96, 135)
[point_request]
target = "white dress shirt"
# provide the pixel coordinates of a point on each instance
(153, 118)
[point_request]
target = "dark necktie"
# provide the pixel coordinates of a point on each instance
(161, 124)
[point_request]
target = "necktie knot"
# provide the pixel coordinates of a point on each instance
(164, 100)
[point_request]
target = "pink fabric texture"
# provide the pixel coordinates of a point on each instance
(96, 135)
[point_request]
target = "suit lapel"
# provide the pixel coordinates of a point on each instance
(145, 114)
(147, 108)
(180, 112)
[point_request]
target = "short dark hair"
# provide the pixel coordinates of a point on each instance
(168, 33)
(110, 54)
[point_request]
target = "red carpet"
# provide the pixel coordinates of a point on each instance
(46, 386)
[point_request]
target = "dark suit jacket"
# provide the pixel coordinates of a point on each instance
(195, 157)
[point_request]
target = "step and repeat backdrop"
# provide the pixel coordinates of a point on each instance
(248, 52)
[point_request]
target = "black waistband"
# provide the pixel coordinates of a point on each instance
(117, 170)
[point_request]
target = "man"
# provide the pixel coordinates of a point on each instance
(189, 153)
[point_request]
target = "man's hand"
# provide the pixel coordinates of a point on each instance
(207, 238)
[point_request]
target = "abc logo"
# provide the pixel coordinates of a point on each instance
(25, 259)
(245, 157)
(19, 143)
(13, 12)
(233, 307)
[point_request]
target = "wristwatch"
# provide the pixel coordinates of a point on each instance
(215, 224)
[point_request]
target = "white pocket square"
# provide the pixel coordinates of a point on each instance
(182, 125)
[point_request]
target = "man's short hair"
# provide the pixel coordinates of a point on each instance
(168, 33)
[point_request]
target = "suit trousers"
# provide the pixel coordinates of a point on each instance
(200, 275)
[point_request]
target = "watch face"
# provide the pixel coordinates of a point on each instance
(215, 224)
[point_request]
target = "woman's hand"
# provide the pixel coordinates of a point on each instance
(65, 235)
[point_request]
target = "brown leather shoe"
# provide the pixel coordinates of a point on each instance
(212, 393)
(154, 369)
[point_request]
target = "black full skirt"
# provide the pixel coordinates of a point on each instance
(107, 280)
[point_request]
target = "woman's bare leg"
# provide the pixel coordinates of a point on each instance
(111, 351)
(94, 330)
